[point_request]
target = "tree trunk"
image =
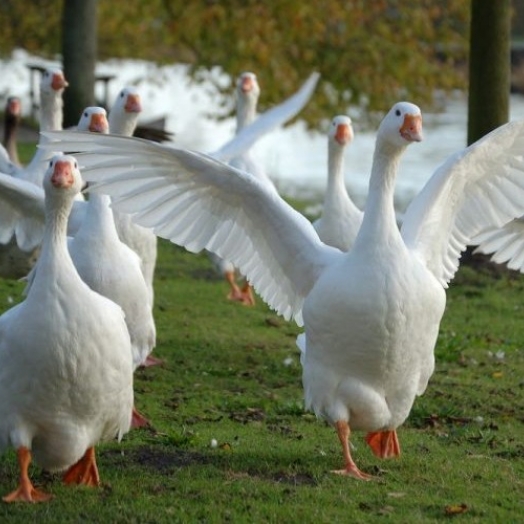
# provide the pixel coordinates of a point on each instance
(489, 66)
(79, 50)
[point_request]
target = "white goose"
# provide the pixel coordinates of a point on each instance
(15, 262)
(371, 315)
(340, 219)
(123, 119)
(247, 92)
(110, 267)
(52, 85)
(66, 375)
(250, 128)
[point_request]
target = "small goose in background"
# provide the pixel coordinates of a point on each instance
(340, 219)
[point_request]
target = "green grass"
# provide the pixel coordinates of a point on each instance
(232, 374)
(225, 378)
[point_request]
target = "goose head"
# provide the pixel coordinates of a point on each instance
(247, 86)
(52, 80)
(13, 108)
(128, 100)
(94, 119)
(341, 130)
(402, 125)
(63, 175)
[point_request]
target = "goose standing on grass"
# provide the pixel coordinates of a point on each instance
(66, 376)
(371, 315)
(250, 128)
(12, 117)
(110, 267)
(247, 92)
(123, 119)
(340, 220)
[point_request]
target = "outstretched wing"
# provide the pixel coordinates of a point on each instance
(200, 203)
(21, 212)
(266, 122)
(506, 244)
(479, 188)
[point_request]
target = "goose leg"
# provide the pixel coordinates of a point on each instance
(152, 361)
(85, 471)
(384, 443)
(248, 298)
(351, 468)
(25, 492)
(234, 293)
(138, 420)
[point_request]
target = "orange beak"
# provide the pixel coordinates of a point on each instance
(62, 176)
(14, 106)
(344, 134)
(133, 104)
(411, 129)
(59, 82)
(246, 84)
(99, 124)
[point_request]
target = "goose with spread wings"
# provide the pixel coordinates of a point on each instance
(371, 315)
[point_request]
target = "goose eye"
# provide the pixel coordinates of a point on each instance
(85, 114)
(122, 94)
(76, 165)
(397, 112)
(50, 163)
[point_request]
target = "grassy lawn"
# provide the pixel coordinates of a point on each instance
(231, 377)
(229, 440)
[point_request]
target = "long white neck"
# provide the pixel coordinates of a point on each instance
(99, 222)
(122, 123)
(379, 224)
(246, 112)
(54, 262)
(51, 110)
(335, 181)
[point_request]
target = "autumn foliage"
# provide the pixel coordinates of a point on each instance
(368, 52)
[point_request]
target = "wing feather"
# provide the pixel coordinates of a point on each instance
(267, 121)
(477, 189)
(199, 202)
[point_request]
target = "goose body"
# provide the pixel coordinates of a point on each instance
(340, 219)
(247, 91)
(107, 265)
(123, 119)
(66, 368)
(371, 315)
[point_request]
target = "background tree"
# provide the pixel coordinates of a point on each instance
(369, 53)
(489, 67)
(79, 56)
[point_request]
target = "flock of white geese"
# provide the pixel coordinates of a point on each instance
(369, 294)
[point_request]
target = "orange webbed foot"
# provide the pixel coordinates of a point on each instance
(247, 296)
(151, 361)
(138, 420)
(351, 470)
(85, 471)
(27, 493)
(384, 443)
